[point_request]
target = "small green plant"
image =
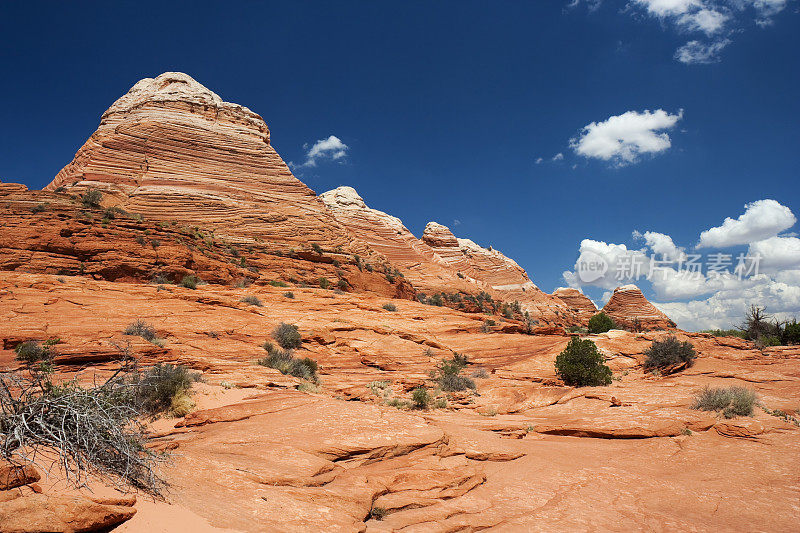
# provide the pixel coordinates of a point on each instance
(32, 352)
(39, 208)
(380, 388)
(730, 401)
(378, 513)
(163, 387)
(317, 248)
(600, 323)
(284, 362)
(390, 307)
(324, 283)
(92, 198)
(448, 374)
(582, 365)
(287, 336)
(160, 279)
(142, 329)
(421, 397)
(190, 281)
(278, 283)
(669, 354)
(436, 300)
(289, 294)
(252, 300)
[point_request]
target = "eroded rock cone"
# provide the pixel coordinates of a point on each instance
(630, 309)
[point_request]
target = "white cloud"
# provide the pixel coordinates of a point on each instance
(623, 138)
(777, 254)
(709, 21)
(599, 262)
(664, 8)
(761, 220)
(661, 245)
(538, 160)
(331, 148)
(695, 52)
(558, 157)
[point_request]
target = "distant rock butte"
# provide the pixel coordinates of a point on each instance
(171, 149)
(628, 305)
(577, 301)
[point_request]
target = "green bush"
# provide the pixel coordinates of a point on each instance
(317, 248)
(287, 335)
(730, 401)
(92, 198)
(278, 283)
(33, 352)
(289, 294)
(436, 300)
(726, 333)
(159, 386)
(448, 374)
(142, 329)
(284, 362)
(581, 365)
(324, 283)
(421, 397)
(791, 333)
(190, 281)
(378, 513)
(390, 307)
(600, 323)
(252, 300)
(669, 353)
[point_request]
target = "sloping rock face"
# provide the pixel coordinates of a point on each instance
(578, 302)
(172, 150)
(630, 309)
(440, 262)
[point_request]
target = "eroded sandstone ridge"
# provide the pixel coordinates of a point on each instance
(630, 309)
(577, 301)
(172, 150)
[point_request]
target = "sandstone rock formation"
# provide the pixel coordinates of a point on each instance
(577, 301)
(630, 309)
(172, 150)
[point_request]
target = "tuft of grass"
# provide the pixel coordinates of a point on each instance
(164, 387)
(378, 513)
(289, 294)
(252, 300)
(142, 329)
(160, 279)
(278, 283)
(730, 401)
(190, 281)
(390, 307)
(286, 363)
(287, 335)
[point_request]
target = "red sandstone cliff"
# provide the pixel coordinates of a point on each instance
(630, 309)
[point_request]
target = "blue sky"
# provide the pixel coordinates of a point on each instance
(445, 108)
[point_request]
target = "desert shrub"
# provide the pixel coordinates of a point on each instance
(480, 374)
(160, 279)
(421, 397)
(436, 300)
(581, 364)
(289, 294)
(252, 300)
(669, 353)
(768, 340)
(142, 329)
(317, 248)
(286, 363)
(600, 323)
(726, 333)
(278, 283)
(92, 430)
(448, 374)
(39, 208)
(32, 352)
(390, 307)
(378, 513)
(155, 389)
(189, 281)
(730, 401)
(460, 275)
(791, 333)
(92, 198)
(324, 283)
(287, 335)
(243, 283)
(759, 326)
(342, 284)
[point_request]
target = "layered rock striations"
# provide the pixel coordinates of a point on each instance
(577, 301)
(630, 309)
(171, 149)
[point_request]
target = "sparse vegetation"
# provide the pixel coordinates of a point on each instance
(791, 333)
(378, 513)
(390, 307)
(726, 333)
(448, 374)
(730, 401)
(285, 362)
(252, 300)
(421, 397)
(142, 329)
(163, 387)
(190, 281)
(324, 283)
(91, 198)
(160, 279)
(287, 336)
(32, 352)
(600, 323)
(317, 248)
(669, 354)
(278, 283)
(288, 294)
(582, 365)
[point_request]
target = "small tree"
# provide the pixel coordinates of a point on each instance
(600, 323)
(582, 365)
(669, 355)
(421, 397)
(287, 335)
(92, 198)
(760, 327)
(791, 333)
